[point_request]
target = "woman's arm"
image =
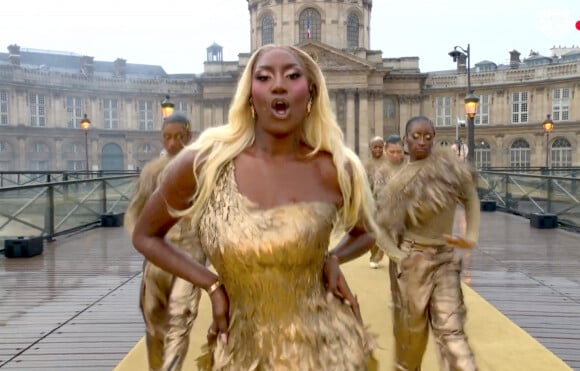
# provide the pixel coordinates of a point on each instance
(174, 192)
(357, 241)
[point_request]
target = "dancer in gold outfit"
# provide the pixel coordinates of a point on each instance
(416, 210)
(372, 164)
(169, 304)
(385, 170)
(265, 191)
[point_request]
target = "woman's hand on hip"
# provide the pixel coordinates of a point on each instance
(336, 285)
(220, 312)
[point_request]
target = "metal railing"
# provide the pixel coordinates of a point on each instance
(20, 178)
(527, 194)
(569, 172)
(54, 208)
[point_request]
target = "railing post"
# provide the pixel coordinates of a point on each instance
(65, 186)
(49, 214)
(549, 195)
(104, 196)
(506, 191)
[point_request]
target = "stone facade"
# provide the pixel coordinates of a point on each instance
(43, 95)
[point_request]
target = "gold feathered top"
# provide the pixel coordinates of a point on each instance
(423, 190)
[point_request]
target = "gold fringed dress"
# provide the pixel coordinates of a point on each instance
(270, 262)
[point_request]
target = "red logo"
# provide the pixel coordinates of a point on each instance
(578, 25)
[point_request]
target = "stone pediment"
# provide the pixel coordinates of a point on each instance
(329, 58)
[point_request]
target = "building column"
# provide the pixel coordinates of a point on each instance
(197, 117)
(332, 96)
(58, 154)
(218, 113)
(207, 115)
(363, 126)
(378, 99)
(126, 110)
(499, 154)
(130, 155)
(538, 150)
(21, 160)
(350, 119)
(93, 154)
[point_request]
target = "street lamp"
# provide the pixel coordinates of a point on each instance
(471, 100)
(167, 107)
(548, 126)
(86, 125)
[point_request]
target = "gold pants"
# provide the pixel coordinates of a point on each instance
(376, 254)
(426, 291)
(169, 306)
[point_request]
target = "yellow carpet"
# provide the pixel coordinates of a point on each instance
(498, 343)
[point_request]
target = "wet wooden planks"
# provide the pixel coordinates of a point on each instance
(531, 276)
(75, 307)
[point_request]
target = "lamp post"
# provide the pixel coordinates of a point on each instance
(471, 100)
(458, 141)
(86, 125)
(167, 107)
(548, 126)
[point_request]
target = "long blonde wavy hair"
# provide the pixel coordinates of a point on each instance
(217, 146)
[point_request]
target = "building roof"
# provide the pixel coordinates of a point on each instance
(71, 63)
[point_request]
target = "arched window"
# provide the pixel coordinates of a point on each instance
(352, 31)
(520, 154)
(267, 30)
(309, 25)
(561, 153)
(4, 146)
(482, 155)
(112, 157)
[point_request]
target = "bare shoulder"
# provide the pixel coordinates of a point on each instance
(326, 167)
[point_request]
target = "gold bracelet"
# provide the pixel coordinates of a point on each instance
(216, 285)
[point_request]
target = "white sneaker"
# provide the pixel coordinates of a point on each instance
(374, 265)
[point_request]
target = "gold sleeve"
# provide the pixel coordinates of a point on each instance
(472, 212)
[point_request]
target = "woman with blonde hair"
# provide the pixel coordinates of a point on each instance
(265, 192)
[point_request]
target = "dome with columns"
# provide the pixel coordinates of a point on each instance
(341, 24)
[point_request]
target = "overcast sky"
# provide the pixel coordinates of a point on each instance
(176, 33)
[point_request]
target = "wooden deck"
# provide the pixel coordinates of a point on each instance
(75, 306)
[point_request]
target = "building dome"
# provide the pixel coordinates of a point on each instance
(340, 24)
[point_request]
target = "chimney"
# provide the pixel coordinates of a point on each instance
(515, 58)
(14, 54)
(120, 67)
(87, 67)
(462, 63)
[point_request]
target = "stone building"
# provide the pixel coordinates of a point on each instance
(44, 95)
